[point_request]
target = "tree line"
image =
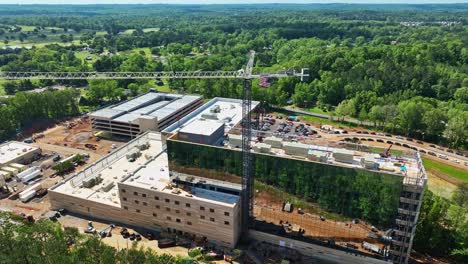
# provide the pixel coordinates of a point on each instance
(24, 108)
(442, 229)
(369, 69)
(47, 242)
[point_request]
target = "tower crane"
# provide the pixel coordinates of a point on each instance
(245, 74)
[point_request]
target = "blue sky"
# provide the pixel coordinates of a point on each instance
(223, 1)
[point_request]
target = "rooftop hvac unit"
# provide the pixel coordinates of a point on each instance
(107, 186)
(90, 182)
(176, 191)
(211, 116)
(215, 109)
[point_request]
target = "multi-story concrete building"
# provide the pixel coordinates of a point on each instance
(133, 186)
(149, 112)
(339, 176)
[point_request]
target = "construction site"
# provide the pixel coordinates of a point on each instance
(223, 173)
(359, 198)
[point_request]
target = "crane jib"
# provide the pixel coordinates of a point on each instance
(144, 75)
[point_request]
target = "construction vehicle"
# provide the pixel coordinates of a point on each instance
(107, 232)
(387, 153)
(90, 229)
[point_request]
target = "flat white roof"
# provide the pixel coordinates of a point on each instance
(230, 113)
(202, 127)
(14, 149)
(149, 171)
(150, 105)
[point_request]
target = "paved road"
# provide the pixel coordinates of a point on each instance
(424, 146)
(403, 141)
(325, 116)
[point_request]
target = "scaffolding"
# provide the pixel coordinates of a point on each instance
(408, 213)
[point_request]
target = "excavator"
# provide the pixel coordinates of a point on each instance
(386, 154)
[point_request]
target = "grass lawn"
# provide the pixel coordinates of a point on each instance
(317, 120)
(150, 30)
(37, 44)
(83, 54)
(439, 168)
(137, 51)
(27, 28)
(440, 187)
(128, 31)
(318, 111)
(165, 88)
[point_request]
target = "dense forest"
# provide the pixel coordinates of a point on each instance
(47, 242)
(410, 79)
(351, 192)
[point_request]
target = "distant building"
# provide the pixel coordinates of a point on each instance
(149, 112)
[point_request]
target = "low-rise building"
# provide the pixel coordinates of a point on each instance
(140, 191)
(17, 152)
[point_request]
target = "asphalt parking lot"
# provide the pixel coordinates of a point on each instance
(283, 127)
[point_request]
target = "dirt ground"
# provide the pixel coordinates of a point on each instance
(57, 139)
(75, 134)
(117, 241)
(268, 209)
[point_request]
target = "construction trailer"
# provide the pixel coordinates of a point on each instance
(29, 192)
(5, 175)
(30, 173)
(274, 142)
(296, 149)
(262, 148)
(18, 166)
(235, 141)
(317, 155)
(31, 176)
(343, 155)
(10, 170)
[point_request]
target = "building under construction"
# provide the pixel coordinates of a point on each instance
(380, 193)
(188, 180)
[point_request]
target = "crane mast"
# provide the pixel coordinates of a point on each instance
(245, 74)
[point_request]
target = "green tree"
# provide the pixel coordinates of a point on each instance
(461, 95)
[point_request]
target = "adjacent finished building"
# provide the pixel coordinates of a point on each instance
(152, 111)
(13, 155)
(133, 186)
(210, 122)
(17, 152)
